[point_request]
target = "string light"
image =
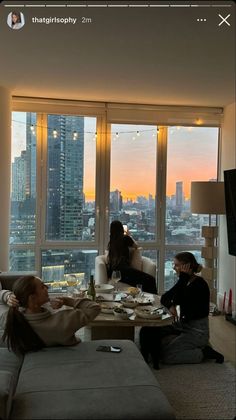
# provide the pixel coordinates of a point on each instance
(156, 132)
(95, 136)
(75, 135)
(54, 133)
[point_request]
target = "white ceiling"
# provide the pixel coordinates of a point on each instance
(136, 55)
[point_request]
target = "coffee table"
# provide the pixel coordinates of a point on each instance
(107, 326)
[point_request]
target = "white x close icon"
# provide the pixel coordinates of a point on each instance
(224, 20)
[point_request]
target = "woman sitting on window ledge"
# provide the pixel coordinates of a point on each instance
(119, 258)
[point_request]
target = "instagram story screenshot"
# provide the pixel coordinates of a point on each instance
(118, 156)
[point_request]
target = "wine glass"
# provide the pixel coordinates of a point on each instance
(115, 277)
(140, 289)
(71, 282)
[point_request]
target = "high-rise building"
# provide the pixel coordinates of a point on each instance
(19, 178)
(179, 195)
(65, 177)
(30, 155)
(116, 201)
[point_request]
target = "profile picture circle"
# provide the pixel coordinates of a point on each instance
(15, 20)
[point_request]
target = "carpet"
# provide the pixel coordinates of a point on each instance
(200, 392)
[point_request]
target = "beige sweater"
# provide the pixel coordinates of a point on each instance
(59, 327)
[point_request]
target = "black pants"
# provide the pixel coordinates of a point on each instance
(133, 277)
(150, 341)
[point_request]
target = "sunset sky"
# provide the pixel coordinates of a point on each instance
(192, 156)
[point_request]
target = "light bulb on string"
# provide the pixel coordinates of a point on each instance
(155, 134)
(75, 135)
(54, 133)
(95, 136)
(32, 129)
(138, 133)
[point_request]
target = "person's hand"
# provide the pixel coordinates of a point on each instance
(173, 311)
(185, 268)
(56, 303)
(12, 301)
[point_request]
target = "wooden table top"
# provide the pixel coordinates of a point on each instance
(109, 319)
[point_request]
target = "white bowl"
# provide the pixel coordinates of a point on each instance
(129, 303)
(123, 313)
(108, 307)
(148, 313)
(104, 288)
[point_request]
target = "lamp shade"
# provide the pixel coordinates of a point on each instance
(207, 197)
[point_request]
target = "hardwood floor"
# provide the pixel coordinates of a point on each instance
(223, 337)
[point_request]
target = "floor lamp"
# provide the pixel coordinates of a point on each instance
(208, 198)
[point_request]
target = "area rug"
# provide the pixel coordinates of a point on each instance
(200, 392)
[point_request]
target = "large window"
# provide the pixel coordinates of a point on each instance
(71, 157)
(66, 180)
(133, 179)
(191, 156)
(73, 173)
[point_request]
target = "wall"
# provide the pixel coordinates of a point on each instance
(227, 263)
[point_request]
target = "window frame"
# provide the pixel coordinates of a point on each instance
(106, 114)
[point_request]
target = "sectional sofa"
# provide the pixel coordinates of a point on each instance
(80, 383)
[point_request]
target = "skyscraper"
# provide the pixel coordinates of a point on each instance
(179, 196)
(65, 177)
(19, 177)
(30, 155)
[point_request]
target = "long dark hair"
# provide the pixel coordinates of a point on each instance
(188, 258)
(18, 334)
(115, 245)
(18, 15)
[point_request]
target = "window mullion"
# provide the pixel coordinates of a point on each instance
(161, 202)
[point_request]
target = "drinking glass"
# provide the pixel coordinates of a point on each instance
(116, 276)
(71, 282)
(140, 288)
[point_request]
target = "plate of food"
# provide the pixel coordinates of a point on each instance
(149, 313)
(104, 288)
(108, 307)
(144, 301)
(129, 302)
(123, 313)
(133, 291)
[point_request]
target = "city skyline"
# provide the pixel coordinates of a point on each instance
(133, 157)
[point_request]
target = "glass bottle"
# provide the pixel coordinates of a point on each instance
(91, 293)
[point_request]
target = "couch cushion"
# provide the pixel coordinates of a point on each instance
(9, 371)
(6, 391)
(81, 383)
